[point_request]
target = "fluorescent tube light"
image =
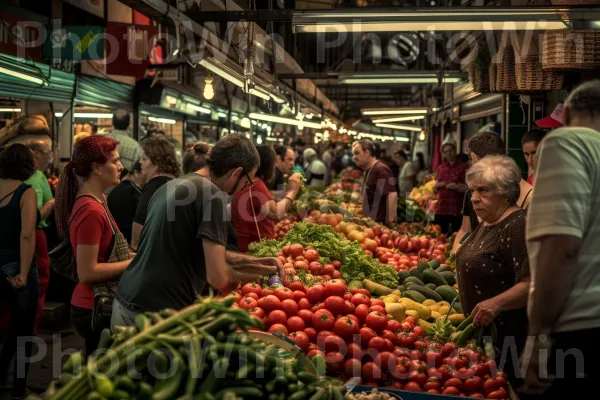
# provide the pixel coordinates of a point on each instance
(402, 139)
(394, 111)
(10, 110)
(162, 120)
(281, 120)
(200, 109)
(260, 93)
(59, 114)
(23, 76)
(223, 71)
(402, 77)
(93, 115)
(222, 115)
(399, 119)
(412, 128)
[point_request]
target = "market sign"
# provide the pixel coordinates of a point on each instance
(129, 48)
(21, 38)
(75, 43)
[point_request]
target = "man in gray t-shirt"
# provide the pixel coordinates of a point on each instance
(182, 247)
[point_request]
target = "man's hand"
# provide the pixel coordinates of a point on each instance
(18, 282)
(274, 261)
(534, 365)
(452, 186)
(485, 312)
(440, 185)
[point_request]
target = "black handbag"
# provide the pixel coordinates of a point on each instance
(62, 258)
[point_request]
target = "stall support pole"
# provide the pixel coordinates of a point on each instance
(136, 121)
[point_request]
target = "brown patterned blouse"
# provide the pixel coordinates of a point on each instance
(492, 260)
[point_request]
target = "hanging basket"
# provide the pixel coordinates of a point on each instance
(493, 76)
(479, 69)
(571, 49)
(531, 77)
(506, 76)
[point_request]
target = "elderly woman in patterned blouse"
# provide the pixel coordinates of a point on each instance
(492, 265)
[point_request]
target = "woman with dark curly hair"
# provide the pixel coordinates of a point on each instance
(19, 282)
(159, 165)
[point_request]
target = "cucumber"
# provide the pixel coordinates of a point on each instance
(431, 286)
(435, 263)
(447, 292)
(443, 268)
(402, 288)
(428, 293)
(402, 275)
(415, 296)
(448, 276)
(416, 273)
(430, 276)
(422, 266)
(457, 307)
(412, 279)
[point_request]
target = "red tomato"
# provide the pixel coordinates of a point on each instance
(238, 295)
(277, 317)
(448, 349)
(301, 339)
(391, 336)
(433, 391)
(304, 304)
(445, 372)
(493, 368)
(354, 351)
(433, 357)
(376, 302)
(361, 312)
(432, 383)
(407, 339)
(323, 320)
(336, 275)
(377, 309)
(299, 295)
(407, 327)
(491, 385)
(418, 377)
(251, 295)
(365, 292)
(306, 316)
(352, 368)
(498, 394)
(366, 334)
(416, 355)
(321, 337)
(257, 312)
(336, 264)
(419, 366)
(297, 286)
(346, 327)
(315, 268)
(420, 345)
(454, 382)
(473, 385)
(347, 296)
(266, 292)
(394, 326)
(335, 287)
(419, 331)
(328, 270)
(333, 343)
(300, 265)
(295, 250)
(316, 294)
(312, 334)
(248, 303)
(295, 324)
(451, 391)
(376, 321)
(278, 328)
(350, 308)
(371, 372)
(359, 298)
(335, 362)
(284, 294)
(252, 288)
(290, 307)
(412, 387)
(378, 344)
(311, 255)
(314, 353)
(477, 396)
(271, 303)
(386, 361)
(335, 304)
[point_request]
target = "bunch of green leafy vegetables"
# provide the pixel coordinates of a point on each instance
(356, 265)
(265, 248)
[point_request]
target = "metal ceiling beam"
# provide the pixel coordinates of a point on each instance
(308, 75)
(242, 16)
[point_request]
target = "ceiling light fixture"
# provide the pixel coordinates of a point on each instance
(394, 111)
(422, 136)
(399, 119)
(400, 78)
(93, 115)
(200, 109)
(209, 90)
(10, 110)
(281, 120)
(162, 120)
(22, 71)
(447, 19)
(412, 128)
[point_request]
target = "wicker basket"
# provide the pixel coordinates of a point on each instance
(479, 78)
(506, 76)
(571, 49)
(493, 76)
(531, 77)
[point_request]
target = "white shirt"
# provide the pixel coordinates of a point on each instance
(406, 176)
(566, 201)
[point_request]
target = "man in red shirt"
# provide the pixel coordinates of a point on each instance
(451, 188)
(379, 196)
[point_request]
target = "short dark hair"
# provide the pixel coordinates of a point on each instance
(535, 135)
(233, 151)
(486, 144)
(402, 154)
(281, 151)
(585, 99)
(367, 145)
(121, 119)
(267, 162)
(16, 162)
(195, 158)
(162, 154)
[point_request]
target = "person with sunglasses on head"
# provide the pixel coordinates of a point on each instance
(183, 244)
(253, 209)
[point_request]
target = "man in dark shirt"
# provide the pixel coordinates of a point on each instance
(283, 166)
(182, 247)
(379, 196)
(123, 199)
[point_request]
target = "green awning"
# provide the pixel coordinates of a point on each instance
(61, 84)
(103, 93)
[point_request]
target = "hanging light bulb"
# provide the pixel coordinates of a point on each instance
(209, 90)
(422, 136)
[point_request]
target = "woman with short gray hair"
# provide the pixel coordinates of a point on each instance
(492, 264)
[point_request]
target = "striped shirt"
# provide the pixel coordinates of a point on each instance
(566, 201)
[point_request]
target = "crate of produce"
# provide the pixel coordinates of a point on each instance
(403, 394)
